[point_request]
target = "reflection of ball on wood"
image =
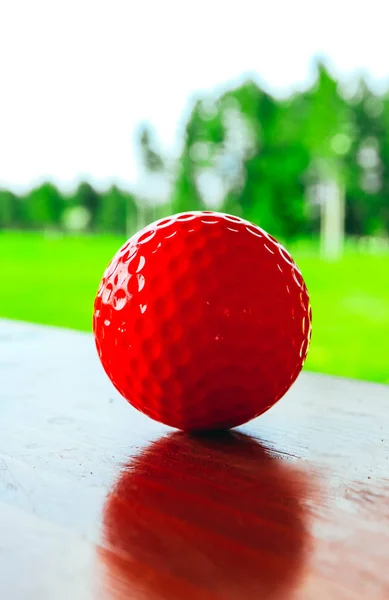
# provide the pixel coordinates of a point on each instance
(201, 517)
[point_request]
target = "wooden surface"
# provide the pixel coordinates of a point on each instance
(97, 501)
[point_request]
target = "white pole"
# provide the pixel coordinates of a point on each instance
(332, 201)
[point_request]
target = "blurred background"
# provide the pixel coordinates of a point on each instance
(113, 114)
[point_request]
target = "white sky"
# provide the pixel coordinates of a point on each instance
(76, 76)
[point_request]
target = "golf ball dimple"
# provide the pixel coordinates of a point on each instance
(202, 321)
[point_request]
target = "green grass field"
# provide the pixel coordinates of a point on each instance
(54, 280)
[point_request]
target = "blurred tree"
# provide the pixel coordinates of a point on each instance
(88, 199)
(44, 206)
(272, 194)
(155, 177)
(203, 137)
(275, 161)
(7, 209)
(323, 113)
(151, 157)
(365, 168)
(326, 132)
(117, 212)
(382, 213)
(240, 154)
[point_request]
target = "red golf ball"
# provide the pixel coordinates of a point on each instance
(202, 321)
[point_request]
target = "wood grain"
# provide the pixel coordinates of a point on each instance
(97, 501)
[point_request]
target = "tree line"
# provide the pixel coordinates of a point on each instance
(247, 152)
(86, 209)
